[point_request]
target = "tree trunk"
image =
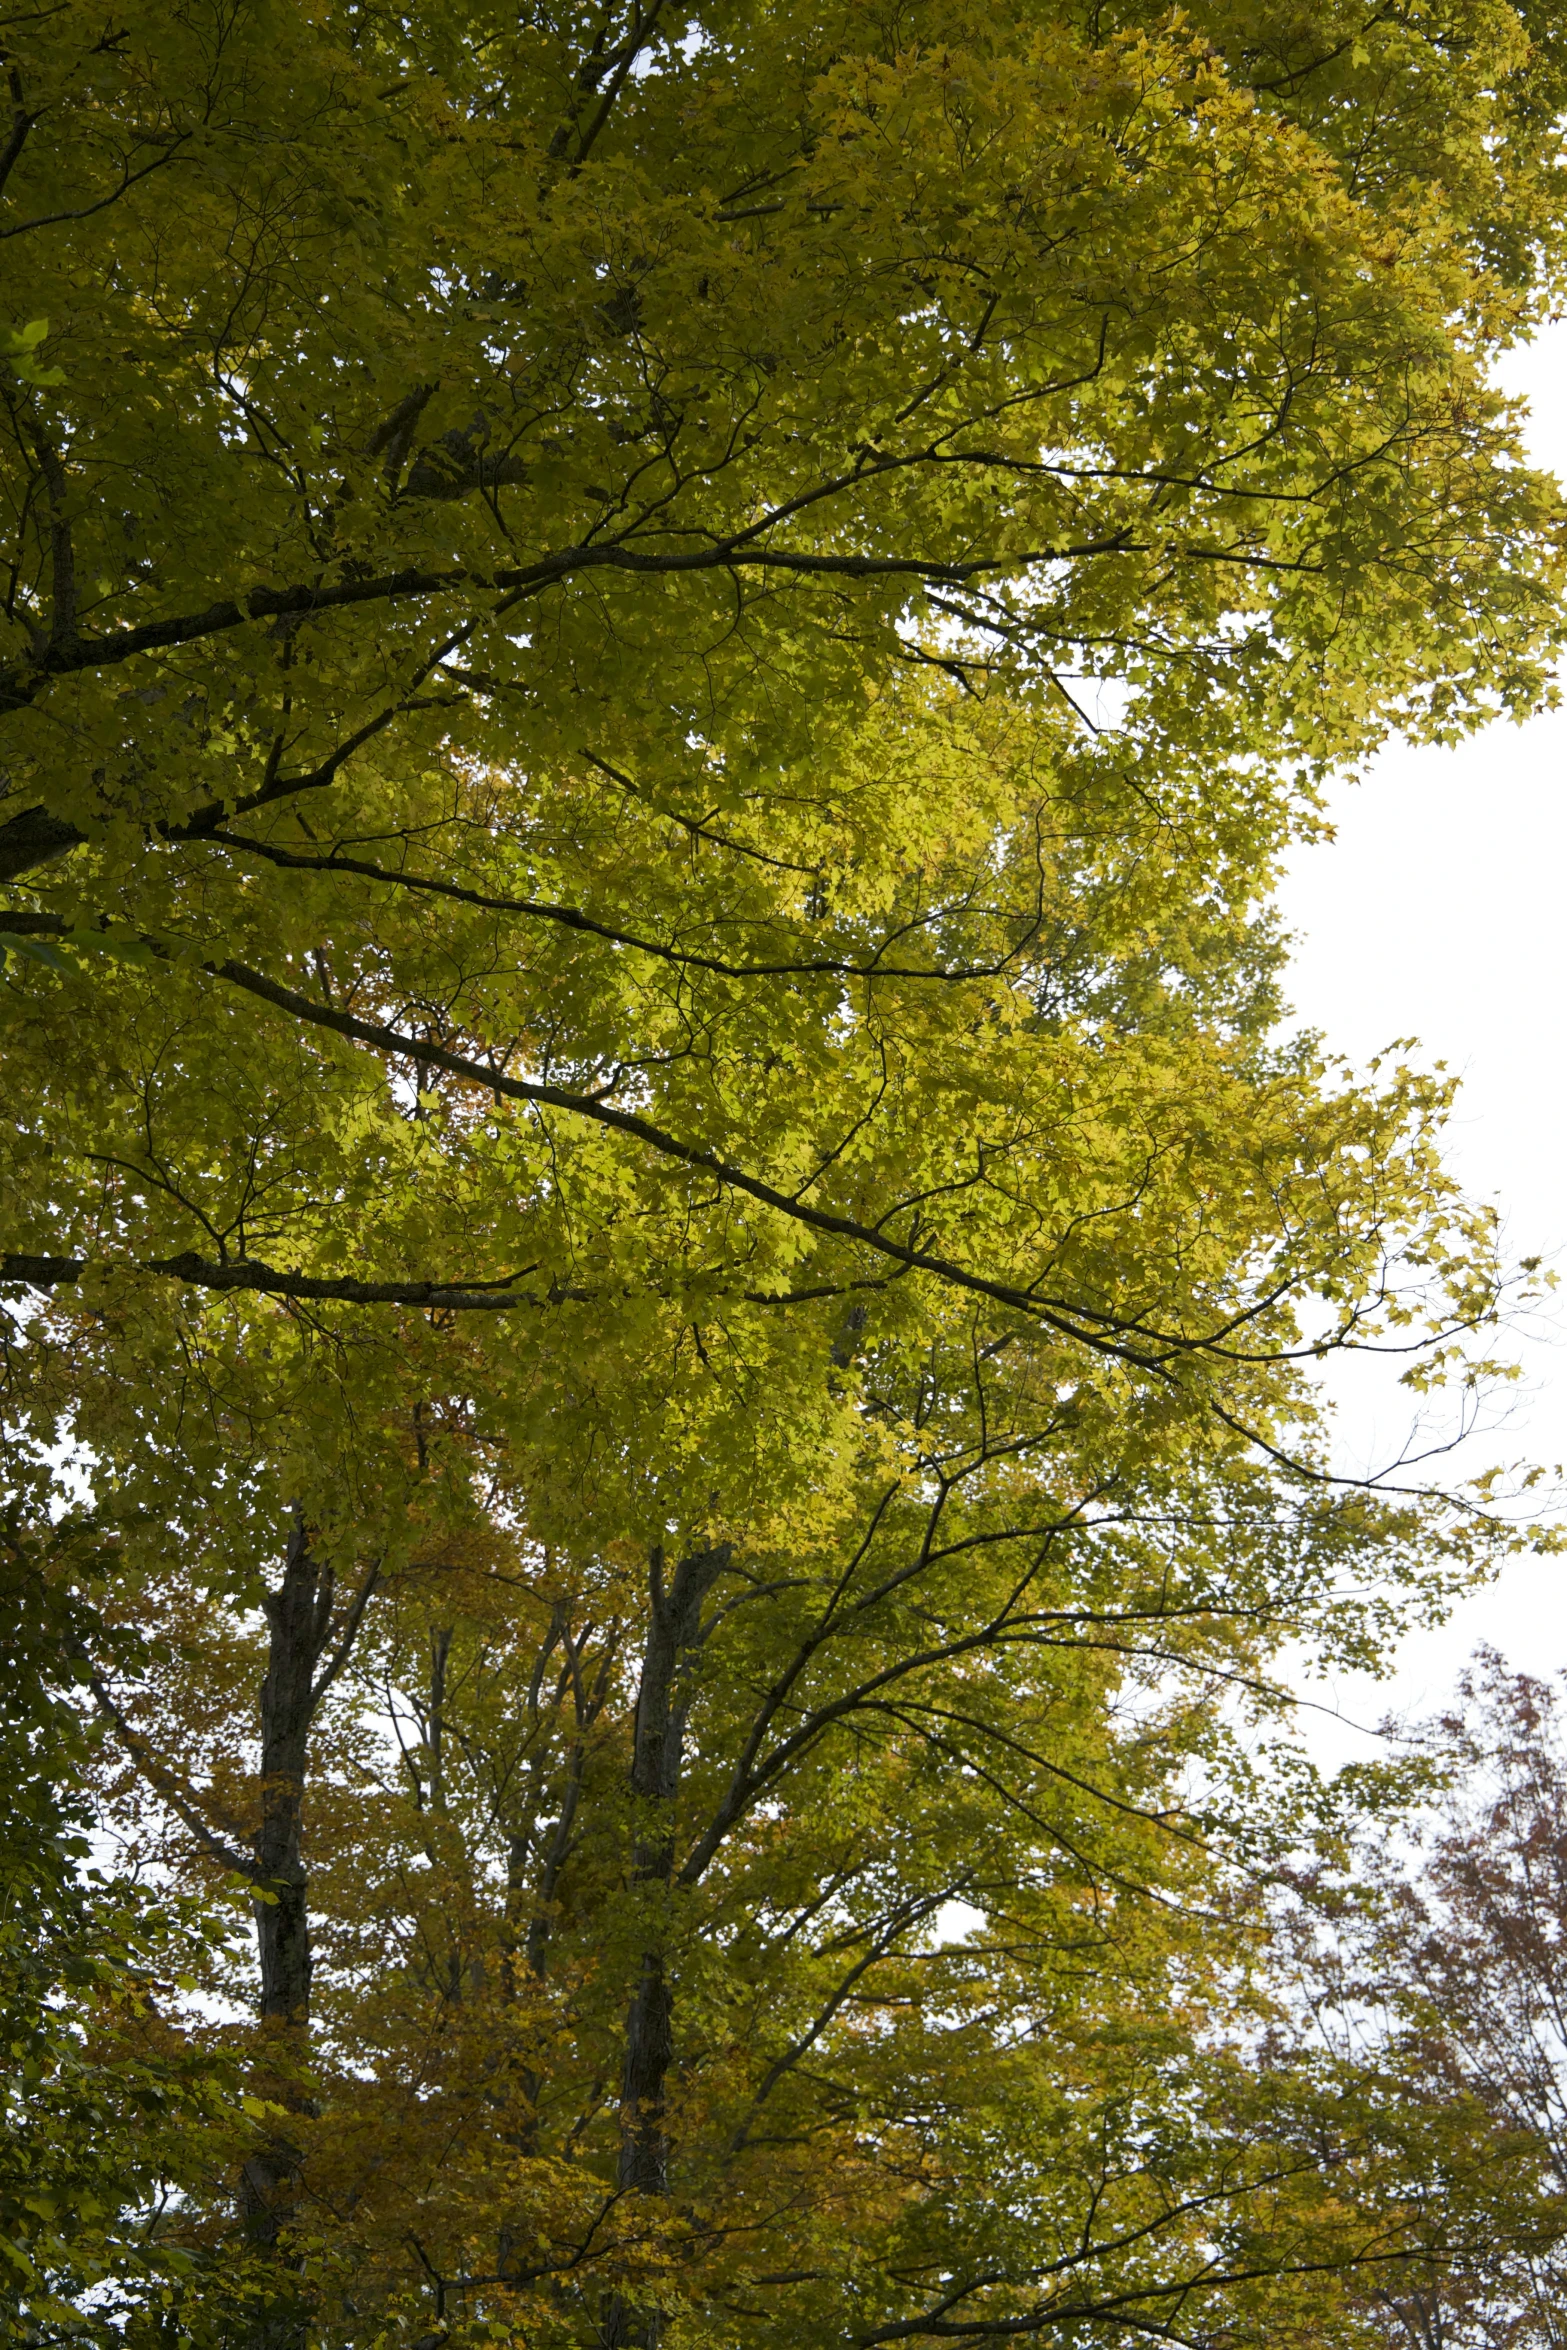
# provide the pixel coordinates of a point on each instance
(299, 1614)
(658, 1750)
(534, 1871)
(299, 1617)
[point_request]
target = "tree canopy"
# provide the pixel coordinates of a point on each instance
(654, 669)
(597, 536)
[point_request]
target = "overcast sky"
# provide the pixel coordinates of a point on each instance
(1438, 912)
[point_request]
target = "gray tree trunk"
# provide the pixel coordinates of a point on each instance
(299, 1624)
(658, 1752)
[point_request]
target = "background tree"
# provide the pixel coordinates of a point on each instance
(1453, 1953)
(109, 2111)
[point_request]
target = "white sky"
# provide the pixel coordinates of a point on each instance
(1437, 912)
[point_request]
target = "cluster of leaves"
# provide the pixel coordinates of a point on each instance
(109, 2108)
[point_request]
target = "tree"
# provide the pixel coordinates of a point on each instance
(1452, 1948)
(652, 1060)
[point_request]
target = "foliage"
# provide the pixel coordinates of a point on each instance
(963, 1679)
(559, 564)
(655, 667)
(1447, 1946)
(108, 2108)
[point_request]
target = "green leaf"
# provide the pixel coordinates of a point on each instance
(20, 346)
(37, 950)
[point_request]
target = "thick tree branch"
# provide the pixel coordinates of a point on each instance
(43, 1272)
(22, 122)
(35, 838)
(572, 918)
(60, 639)
(1121, 1337)
(1105, 1333)
(451, 1297)
(738, 552)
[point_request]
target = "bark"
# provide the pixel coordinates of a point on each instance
(658, 1748)
(535, 1866)
(34, 838)
(299, 1625)
(658, 1751)
(299, 1615)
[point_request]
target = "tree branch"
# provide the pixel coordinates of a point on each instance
(571, 918)
(171, 1786)
(43, 1272)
